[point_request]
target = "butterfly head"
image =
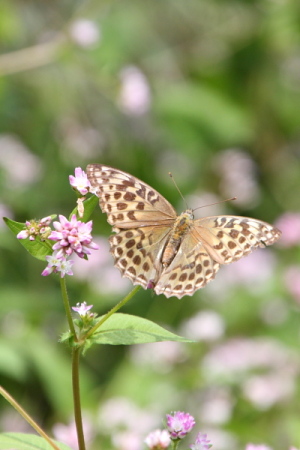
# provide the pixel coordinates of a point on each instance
(188, 214)
(183, 221)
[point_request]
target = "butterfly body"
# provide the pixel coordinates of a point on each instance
(153, 247)
(181, 226)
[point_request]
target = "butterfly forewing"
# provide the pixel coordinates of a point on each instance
(128, 202)
(154, 248)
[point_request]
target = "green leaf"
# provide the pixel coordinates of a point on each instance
(89, 206)
(37, 248)
(22, 441)
(124, 329)
(206, 107)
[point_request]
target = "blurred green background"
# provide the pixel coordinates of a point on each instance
(210, 91)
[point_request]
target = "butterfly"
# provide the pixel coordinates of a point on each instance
(156, 248)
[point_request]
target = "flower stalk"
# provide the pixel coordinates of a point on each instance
(112, 311)
(76, 397)
(66, 302)
(28, 419)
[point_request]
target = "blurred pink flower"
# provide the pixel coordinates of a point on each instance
(80, 142)
(119, 413)
(127, 440)
(253, 271)
(11, 420)
(204, 326)
(237, 171)
(67, 433)
(215, 406)
(206, 203)
(85, 33)
(242, 354)
(276, 369)
(100, 272)
(21, 167)
(292, 281)
(201, 443)
(134, 97)
(5, 211)
(263, 391)
(158, 439)
(289, 224)
(179, 164)
(161, 356)
(222, 440)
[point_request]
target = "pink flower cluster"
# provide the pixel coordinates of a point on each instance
(179, 424)
(71, 236)
(36, 228)
(201, 442)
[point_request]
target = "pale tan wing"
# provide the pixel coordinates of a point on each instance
(229, 238)
(191, 269)
(137, 253)
(210, 242)
(128, 201)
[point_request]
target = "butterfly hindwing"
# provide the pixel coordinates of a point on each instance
(229, 238)
(191, 269)
(137, 253)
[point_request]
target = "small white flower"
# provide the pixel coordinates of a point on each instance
(82, 308)
(158, 439)
(80, 181)
(56, 264)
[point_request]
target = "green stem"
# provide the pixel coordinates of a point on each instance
(26, 416)
(175, 444)
(76, 357)
(112, 311)
(31, 57)
(65, 297)
(75, 369)
(76, 398)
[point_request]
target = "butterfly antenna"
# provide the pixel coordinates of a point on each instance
(175, 184)
(216, 203)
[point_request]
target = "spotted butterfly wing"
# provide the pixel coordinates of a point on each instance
(155, 248)
(141, 218)
(212, 241)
